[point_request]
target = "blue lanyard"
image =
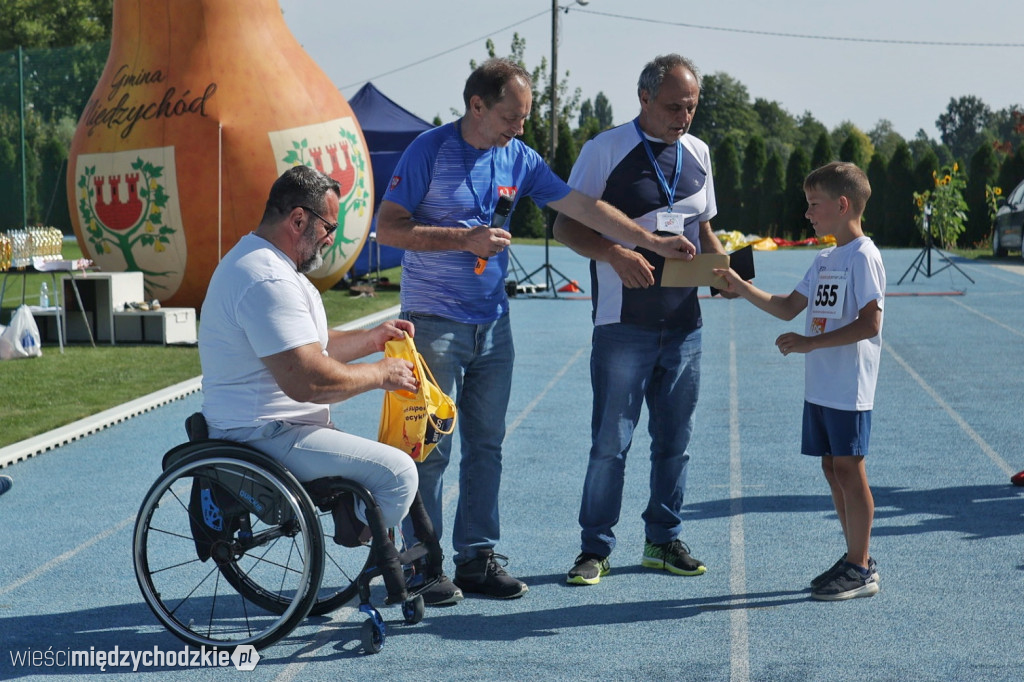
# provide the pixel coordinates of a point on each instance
(670, 192)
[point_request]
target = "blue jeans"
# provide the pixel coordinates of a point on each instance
(630, 365)
(472, 363)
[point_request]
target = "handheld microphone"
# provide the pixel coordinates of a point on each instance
(501, 212)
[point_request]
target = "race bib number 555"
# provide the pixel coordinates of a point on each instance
(830, 294)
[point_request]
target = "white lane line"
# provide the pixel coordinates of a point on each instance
(56, 561)
(988, 319)
(547, 389)
(953, 414)
(452, 491)
(291, 672)
(325, 636)
(739, 646)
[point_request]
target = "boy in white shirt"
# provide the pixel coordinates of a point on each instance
(843, 293)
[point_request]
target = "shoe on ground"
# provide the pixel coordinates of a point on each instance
(673, 557)
(589, 569)
(442, 591)
(837, 568)
(5, 483)
(484, 575)
(1017, 478)
(848, 583)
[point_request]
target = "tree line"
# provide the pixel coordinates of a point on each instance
(760, 152)
(63, 48)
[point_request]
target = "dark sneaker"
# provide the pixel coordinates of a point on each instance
(441, 593)
(5, 483)
(589, 569)
(483, 575)
(837, 568)
(848, 583)
(673, 557)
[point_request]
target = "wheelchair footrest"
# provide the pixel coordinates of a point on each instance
(414, 553)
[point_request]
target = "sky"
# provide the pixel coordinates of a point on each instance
(862, 62)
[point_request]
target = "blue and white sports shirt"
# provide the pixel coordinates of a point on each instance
(443, 181)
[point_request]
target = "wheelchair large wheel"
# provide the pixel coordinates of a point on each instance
(342, 567)
(228, 550)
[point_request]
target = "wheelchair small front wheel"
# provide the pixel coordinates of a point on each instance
(413, 610)
(372, 637)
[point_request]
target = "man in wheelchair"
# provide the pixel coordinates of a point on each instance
(271, 367)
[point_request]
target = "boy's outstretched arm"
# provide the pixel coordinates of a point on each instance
(782, 307)
(867, 325)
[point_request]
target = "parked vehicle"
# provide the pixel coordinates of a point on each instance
(1008, 226)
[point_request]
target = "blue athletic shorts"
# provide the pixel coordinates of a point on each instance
(828, 431)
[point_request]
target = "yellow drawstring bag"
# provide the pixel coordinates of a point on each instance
(415, 422)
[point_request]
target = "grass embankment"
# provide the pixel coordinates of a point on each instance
(40, 394)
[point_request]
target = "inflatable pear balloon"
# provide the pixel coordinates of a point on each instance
(201, 106)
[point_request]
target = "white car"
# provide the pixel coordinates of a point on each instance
(1008, 226)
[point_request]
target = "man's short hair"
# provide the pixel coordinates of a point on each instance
(841, 179)
(490, 81)
(299, 186)
(654, 73)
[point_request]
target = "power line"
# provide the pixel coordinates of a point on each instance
(802, 36)
(448, 51)
(698, 27)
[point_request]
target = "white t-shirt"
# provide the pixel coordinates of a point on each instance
(841, 281)
(257, 305)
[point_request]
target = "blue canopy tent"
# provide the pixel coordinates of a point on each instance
(388, 129)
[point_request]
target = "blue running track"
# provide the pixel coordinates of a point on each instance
(948, 425)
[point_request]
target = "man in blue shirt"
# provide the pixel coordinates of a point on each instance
(439, 207)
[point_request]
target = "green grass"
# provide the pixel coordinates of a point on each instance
(40, 394)
(342, 306)
(980, 253)
(53, 390)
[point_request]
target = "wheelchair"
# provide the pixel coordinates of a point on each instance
(230, 549)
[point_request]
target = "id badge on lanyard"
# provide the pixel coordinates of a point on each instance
(830, 294)
(668, 220)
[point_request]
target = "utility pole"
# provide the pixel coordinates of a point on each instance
(21, 118)
(554, 77)
(549, 281)
(554, 82)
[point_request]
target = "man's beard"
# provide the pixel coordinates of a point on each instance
(312, 263)
(316, 259)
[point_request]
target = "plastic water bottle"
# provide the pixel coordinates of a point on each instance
(44, 296)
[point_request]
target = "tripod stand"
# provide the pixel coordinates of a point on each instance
(548, 268)
(924, 259)
(519, 280)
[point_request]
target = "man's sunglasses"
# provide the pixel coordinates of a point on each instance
(330, 227)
